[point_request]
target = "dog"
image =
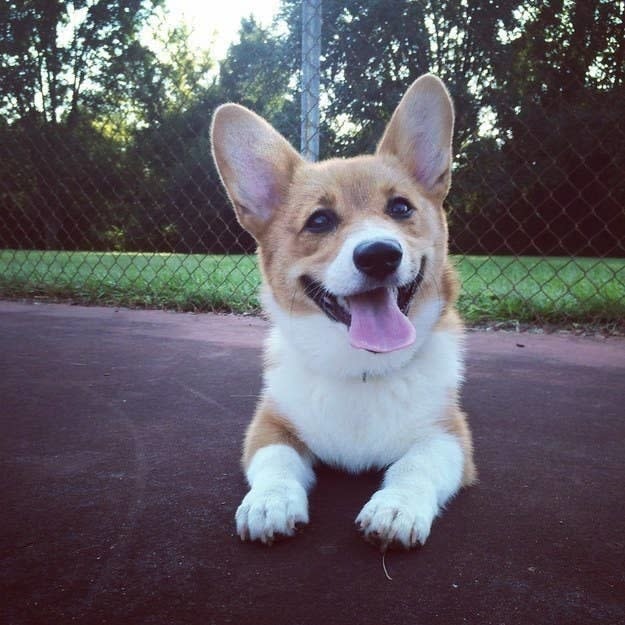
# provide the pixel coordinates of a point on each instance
(364, 360)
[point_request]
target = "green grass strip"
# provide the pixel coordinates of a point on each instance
(497, 288)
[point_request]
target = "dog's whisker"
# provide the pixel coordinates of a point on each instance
(293, 301)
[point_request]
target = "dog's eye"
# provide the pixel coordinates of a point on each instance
(399, 208)
(322, 220)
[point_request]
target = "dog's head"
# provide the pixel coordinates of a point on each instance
(353, 251)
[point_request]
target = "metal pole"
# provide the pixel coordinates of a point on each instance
(311, 62)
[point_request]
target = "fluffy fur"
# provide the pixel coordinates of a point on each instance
(326, 397)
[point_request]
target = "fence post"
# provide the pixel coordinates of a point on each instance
(311, 62)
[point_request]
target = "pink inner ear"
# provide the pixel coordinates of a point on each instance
(428, 168)
(429, 158)
(256, 185)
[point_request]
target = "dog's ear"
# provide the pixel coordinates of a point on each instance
(420, 134)
(255, 162)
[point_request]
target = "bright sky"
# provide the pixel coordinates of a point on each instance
(219, 21)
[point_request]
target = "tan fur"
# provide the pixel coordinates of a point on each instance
(448, 290)
(268, 427)
(354, 188)
(455, 422)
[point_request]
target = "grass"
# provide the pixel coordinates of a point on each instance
(560, 291)
(528, 289)
(179, 281)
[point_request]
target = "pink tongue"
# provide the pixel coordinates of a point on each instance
(377, 323)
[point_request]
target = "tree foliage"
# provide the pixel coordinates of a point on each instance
(558, 92)
(60, 55)
(257, 73)
(373, 50)
(79, 93)
(104, 130)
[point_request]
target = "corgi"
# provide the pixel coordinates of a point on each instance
(364, 360)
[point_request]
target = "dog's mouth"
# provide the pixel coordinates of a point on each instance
(377, 319)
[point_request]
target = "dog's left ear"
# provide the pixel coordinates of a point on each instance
(420, 134)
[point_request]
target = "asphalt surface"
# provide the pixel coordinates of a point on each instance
(119, 478)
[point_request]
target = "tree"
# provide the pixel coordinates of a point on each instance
(61, 62)
(63, 54)
(79, 94)
(538, 92)
(189, 211)
(257, 73)
(373, 50)
(559, 96)
(160, 79)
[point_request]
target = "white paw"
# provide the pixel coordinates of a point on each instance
(397, 517)
(270, 510)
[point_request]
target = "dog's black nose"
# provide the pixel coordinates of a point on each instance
(378, 258)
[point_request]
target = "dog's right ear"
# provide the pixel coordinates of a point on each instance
(255, 162)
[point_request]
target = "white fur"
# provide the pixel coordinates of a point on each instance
(357, 411)
(359, 422)
(343, 278)
(279, 479)
(388, 418)
(414, 490)
(323, 345)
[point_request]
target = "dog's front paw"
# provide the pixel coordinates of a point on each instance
(396, 517)
(270, 510)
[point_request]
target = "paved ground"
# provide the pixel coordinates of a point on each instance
(119, 446)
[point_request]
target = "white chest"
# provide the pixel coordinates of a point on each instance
(359, 424)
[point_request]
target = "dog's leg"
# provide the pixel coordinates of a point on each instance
(414, 489)
(279, 471)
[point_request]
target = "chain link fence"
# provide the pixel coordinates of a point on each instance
(108, 193)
